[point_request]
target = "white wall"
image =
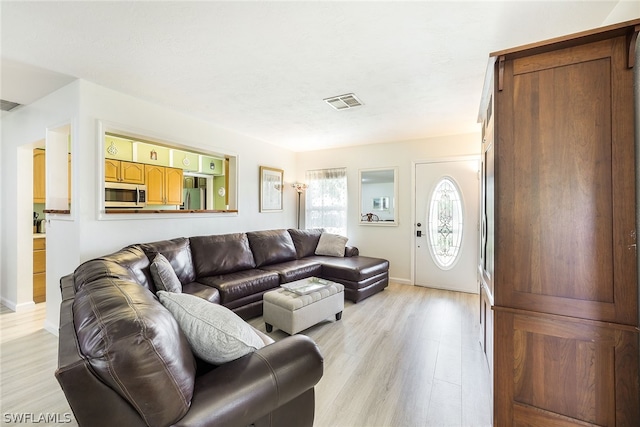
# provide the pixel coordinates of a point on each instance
(20, 130)
(153, 120)
(392, 243)
(625, 10)
(73, 240)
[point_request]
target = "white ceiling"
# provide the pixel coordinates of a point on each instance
(263, 68)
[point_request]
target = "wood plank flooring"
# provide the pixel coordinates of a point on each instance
(28, 360)
(407, 356)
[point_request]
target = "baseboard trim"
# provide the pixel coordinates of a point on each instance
(18, 307)
(51, 328)
(400, 281)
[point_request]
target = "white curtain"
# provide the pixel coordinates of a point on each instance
(326, 200)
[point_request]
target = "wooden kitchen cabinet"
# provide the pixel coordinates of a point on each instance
(39, 176)
(122, 171)
(164, 185)
(39, 270)
(112, 170)
(173, 180)
(560, 204)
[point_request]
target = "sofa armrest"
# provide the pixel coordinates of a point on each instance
(102, 406)
(350, 251)
(240, 392)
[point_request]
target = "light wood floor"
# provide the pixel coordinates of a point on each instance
(407, 356)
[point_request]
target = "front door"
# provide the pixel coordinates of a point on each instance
(446, 227)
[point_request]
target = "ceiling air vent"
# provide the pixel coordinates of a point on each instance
(8, 105)
(343, 102)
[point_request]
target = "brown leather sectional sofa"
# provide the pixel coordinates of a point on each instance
(124, 361)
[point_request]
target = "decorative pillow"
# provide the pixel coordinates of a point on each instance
(163, 275)
(331, 245)
(178, 252)
(216, 334)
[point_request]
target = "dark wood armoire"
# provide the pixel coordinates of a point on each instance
(558, 262)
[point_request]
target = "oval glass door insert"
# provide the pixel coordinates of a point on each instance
(445, 221)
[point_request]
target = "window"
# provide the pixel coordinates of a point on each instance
(445, 223)
(326, 200)
(150, 174)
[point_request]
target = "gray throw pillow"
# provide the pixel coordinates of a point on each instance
(216, 334)
(331, 245)
(164, 277)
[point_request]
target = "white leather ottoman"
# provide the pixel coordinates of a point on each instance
(292, 313)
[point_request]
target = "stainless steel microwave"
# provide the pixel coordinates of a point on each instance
(119, 195)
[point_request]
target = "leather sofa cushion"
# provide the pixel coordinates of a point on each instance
(177, 252)
(271, 246)
(363, 284)
(240, 284)
(295, 270)
(357, 291)
(305, 241)
(248, 307)
(129, 263)
(135, 346)
(355, 269)
(203, 291)
(221, 254)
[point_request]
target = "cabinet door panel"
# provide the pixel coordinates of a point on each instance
(567, 202)
(563, 202)
(39, 287)
(155, 184)
(562, 371)
(39, 261)
(173, 186)
(39, 244)
(39, 174)
(112, 170)
(132, 173)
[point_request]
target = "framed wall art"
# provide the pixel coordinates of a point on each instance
(271, 187)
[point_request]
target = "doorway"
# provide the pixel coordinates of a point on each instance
(447, 224)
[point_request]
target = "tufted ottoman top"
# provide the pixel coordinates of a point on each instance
(293, 301)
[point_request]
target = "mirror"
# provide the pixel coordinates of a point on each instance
(378, 196)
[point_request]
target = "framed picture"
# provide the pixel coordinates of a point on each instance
(271, 186)
(380, 204)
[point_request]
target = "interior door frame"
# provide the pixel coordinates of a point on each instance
(414, 163)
